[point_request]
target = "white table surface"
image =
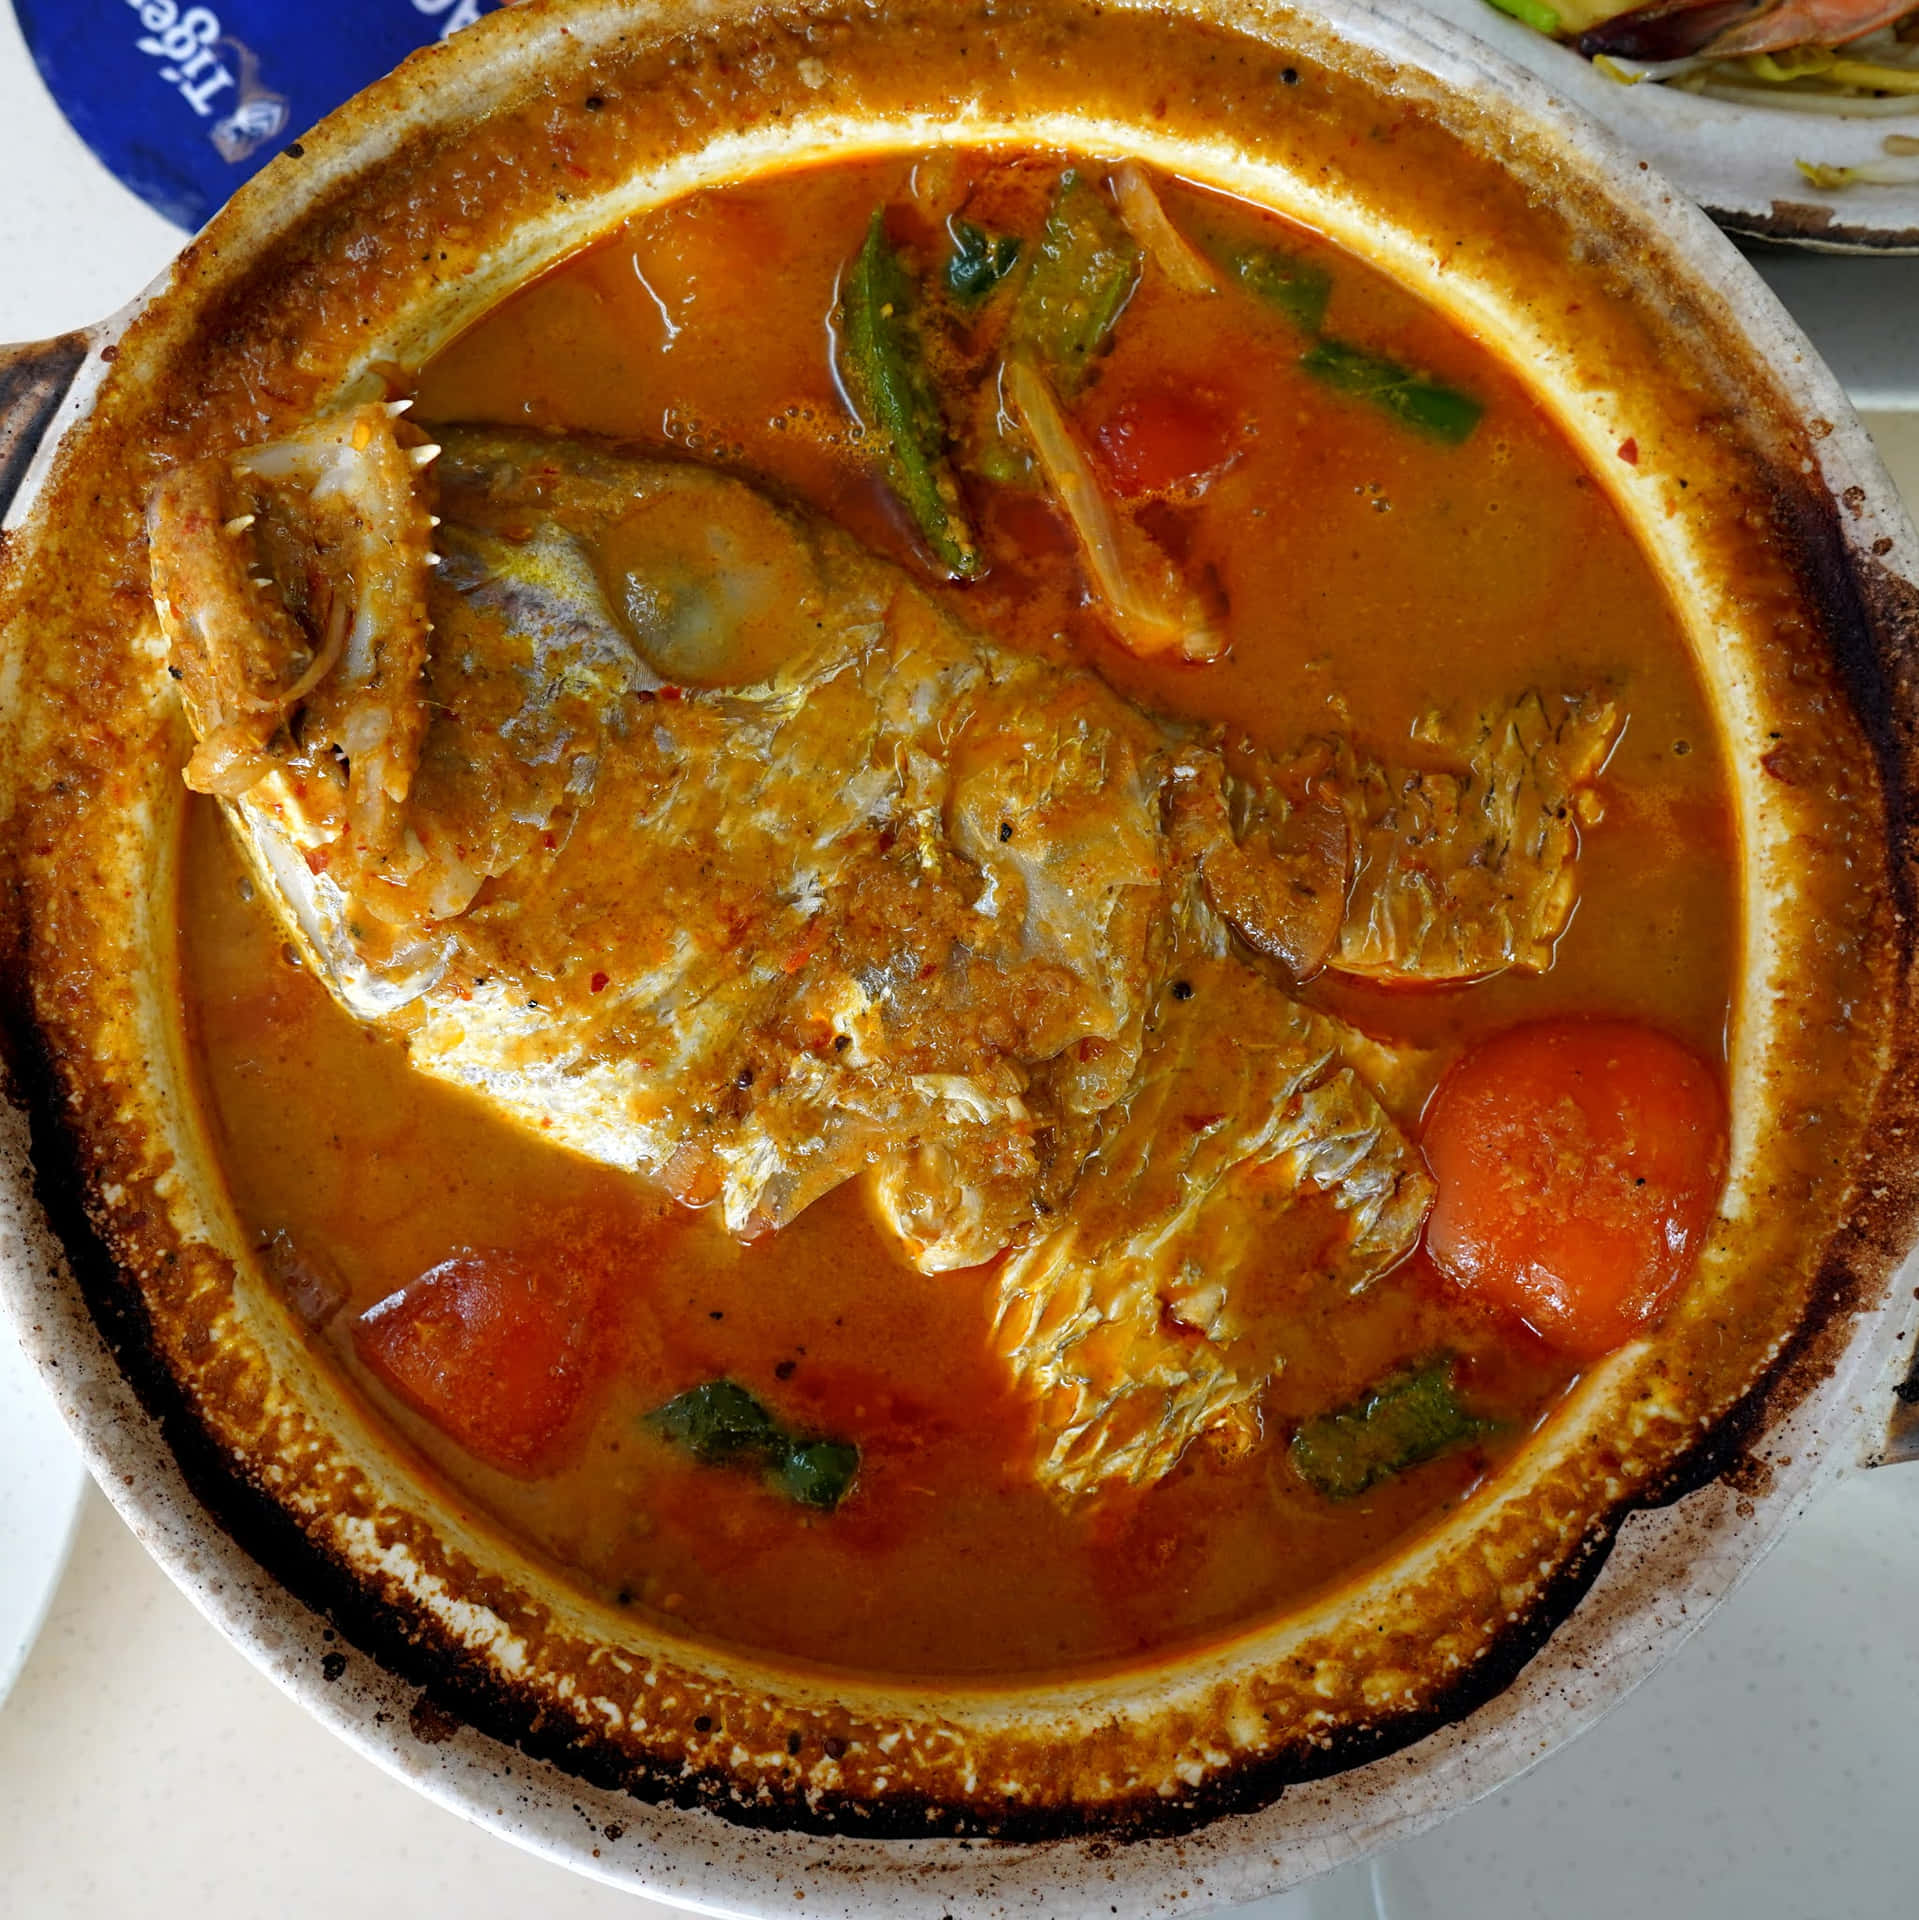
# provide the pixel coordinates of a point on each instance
(148, 1773)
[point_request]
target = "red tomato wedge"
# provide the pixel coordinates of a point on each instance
(1578, 1164)
(493, 1348)
(1154, 441)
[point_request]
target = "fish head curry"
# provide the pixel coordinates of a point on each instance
(964, 917)
(1014, 1022)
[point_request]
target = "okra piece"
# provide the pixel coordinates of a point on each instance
(816, 1473)
(883, 364)
(717, 1420)
(1407, 1419)
(1083, 273)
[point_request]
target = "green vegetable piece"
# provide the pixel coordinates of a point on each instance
(979, 261)
(1443, 412)
(1409, 1418)
(1296, 287)
(884, 367)
(721, 1424)
(1819, 174)
(1083, 274)
(1530, 13)
(816, 1473)
(718, 1420)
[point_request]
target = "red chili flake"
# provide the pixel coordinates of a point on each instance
(1204, 1122)
(670, 693)
(804, 952)
(548, 842)
(317, 859)
(598, 983)
(1629, 452)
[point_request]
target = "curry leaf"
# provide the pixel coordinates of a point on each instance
(1294, 286)
(720, 1423)
(979, 261)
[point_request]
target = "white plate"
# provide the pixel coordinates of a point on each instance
(1765, 1773)
(1736, 161)
(1863, 316)
(41, 1481)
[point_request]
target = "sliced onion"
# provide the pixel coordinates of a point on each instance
(330, 651)
(1150, 608)
(1147, 221)
(1832, 104)
(227, 764)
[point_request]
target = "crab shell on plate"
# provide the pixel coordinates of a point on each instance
(429, 1640)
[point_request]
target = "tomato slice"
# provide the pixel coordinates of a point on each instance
(1578, 1164)
(493, 1348)
(1154, 441)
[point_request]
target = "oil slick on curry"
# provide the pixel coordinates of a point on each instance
(950, 867)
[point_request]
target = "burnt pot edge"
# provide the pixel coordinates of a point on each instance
(456, 1685)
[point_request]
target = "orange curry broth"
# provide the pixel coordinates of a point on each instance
(1371, 576)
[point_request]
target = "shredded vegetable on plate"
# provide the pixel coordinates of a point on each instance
(1838, 57)
(1900, 169)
